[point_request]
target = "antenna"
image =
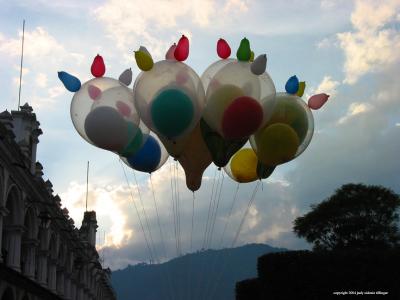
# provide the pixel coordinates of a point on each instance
(22, 60)
(104, 249)
(87, 183)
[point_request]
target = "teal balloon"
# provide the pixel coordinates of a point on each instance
(136, 141)
(172, 112)
(292, 85)
(147, 158)
(70, 82)
(221, 149)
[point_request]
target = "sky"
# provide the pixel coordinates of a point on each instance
(348, 49)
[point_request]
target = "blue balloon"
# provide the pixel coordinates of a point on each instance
(292, 85)
(147, 158)
(70, 82)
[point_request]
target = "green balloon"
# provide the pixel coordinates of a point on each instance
(134, 145)
(264, 171)
(172, 112)
(244, 52)
(221, 149)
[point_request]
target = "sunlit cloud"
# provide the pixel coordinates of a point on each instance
(374, 44)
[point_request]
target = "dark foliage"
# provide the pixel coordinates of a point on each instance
(355, 217)
(317, 275)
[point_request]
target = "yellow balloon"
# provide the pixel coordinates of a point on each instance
(143, 60)
(218, 101)
(302, 87)
(251, 56)
(276, 144)
(244, 165)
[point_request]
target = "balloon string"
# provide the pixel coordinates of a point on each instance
(137, 212)
(209, 208)
(245, 214)
(213, 208)
(145, 217)
(208, 283)
(191, 231)
(236, 238)
(178, 209)
(173, 207)
(217, 257)
(229, 215)
(170, 289)
(202, 271)
(216, 210)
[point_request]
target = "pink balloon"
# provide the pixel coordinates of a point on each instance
(123, 109)
(181, 52)
(170, 52)
(94, 92)
(223, 49)
(317, 101)
(182, 77)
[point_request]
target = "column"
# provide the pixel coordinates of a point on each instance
(13, 246)
(73, 289)
(42, 267)
(52, 275)
(30, 258)
(3, 213)
(42, 255)
(60, 281)
(67, 286)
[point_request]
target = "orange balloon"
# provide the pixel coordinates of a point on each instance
(194, 159)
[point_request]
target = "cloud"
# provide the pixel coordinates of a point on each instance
(43, 56)
(354, 110)
(328, 86)
(41, 80)
(375, 42)
(108, 202)
(151, 22)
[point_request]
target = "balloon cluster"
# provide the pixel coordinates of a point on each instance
(196, 120)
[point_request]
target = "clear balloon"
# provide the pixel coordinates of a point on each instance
(103, 113)
(288, 132)
(238, 102)
(169, 98)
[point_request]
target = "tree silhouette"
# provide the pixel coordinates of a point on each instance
(356, 216)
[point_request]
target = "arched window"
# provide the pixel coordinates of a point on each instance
(12, 228)
(29, 242)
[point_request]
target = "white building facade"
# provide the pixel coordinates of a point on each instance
(43, 255)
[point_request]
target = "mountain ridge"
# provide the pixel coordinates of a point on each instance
(205, 274)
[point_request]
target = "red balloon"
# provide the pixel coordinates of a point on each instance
(181, 52)
(98, 67)
(223, 49)
(241, 118)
